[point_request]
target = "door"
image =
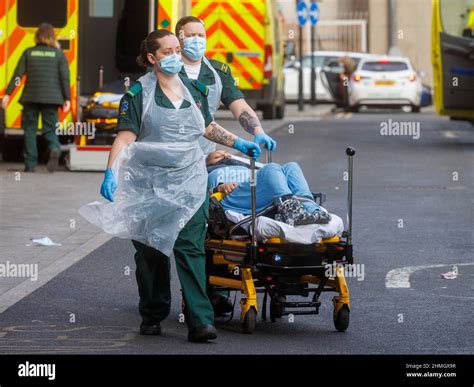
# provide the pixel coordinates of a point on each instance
(110, 35)
(236, 36)
(20, 20)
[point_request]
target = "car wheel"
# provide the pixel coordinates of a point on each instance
(415, 109)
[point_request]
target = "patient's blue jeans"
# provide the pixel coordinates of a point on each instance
(273, 180)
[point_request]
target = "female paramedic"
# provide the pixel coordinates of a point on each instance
(156, 182)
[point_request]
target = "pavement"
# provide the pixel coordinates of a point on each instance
(413, 216)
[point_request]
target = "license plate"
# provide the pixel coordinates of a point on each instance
(384, 83)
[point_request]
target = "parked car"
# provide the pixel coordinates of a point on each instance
(385, 82)
(291, 70)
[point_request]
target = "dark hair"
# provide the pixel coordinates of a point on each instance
(185, 20)
(45, 35)
(149, 45)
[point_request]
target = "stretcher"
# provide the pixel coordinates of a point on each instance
(284, 272)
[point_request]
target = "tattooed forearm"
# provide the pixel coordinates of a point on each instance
(249, 122)
(217, 133)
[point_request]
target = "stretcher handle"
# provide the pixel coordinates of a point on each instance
(253, 193)
(350, 152)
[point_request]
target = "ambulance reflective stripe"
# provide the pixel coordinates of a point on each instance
(19, 39)
(70, 32)
(168, 13)
(164, 15)
(235, 27)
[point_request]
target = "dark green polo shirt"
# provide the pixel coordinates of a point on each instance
(230, 92)
(131, 104)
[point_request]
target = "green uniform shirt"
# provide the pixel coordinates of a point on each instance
(130, 113)
(230, 92)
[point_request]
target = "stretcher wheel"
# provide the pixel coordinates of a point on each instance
(341, 322)
(248, 325)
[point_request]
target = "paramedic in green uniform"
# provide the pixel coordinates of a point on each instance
(154, 111)
(46, 88)
(222, 88)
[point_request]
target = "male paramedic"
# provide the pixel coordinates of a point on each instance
(217, 76)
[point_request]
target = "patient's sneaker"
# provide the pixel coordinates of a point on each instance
(292, 212)
(320, 217)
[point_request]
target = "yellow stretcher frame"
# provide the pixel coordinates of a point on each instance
(247, 287)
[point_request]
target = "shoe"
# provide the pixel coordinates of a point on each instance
(150, 330)
(320, 217)
(221, 305)
(29, 169)
(202, 333)
(53, 160)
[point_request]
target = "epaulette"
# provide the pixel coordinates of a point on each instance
(137, 87)
(220, 66)
(200, 86)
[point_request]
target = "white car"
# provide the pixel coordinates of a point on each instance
(291, 70)
(385, 82)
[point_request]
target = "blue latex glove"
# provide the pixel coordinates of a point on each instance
(109, 185)
(266, 141)
(246, 147)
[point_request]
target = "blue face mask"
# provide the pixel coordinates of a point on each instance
(171, 64)
(194, 47)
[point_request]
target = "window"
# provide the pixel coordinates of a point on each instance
(384, 66)
(31, 13)
(101, 8)
(458, 17)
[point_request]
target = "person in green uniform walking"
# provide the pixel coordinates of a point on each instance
(222, 88)
(46, 88)
(156, 181)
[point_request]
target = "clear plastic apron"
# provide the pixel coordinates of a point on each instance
(214, 101)
(161, 178)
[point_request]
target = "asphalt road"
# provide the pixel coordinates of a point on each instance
(92, 306)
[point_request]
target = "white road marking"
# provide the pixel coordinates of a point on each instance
(450, 134)
(400, 278)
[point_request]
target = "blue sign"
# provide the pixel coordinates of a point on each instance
(302, 12)
(314, 13)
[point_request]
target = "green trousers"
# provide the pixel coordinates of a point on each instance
(153, 275)
(29, 123)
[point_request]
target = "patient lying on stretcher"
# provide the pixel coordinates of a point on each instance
(277, 184)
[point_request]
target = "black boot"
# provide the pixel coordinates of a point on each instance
(202, 334)
(53, 160)
(147, 329)
(221, 305)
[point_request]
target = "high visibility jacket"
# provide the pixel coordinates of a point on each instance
(47, 76)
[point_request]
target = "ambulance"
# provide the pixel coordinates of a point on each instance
(101, 39)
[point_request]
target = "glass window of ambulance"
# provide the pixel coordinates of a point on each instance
(458, 17)
(32, 13)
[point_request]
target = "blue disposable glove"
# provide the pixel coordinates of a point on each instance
(266, 141)
(246, 147)
(109, 185)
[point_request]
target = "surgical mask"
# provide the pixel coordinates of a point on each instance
(194, 47)
(171, 64)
